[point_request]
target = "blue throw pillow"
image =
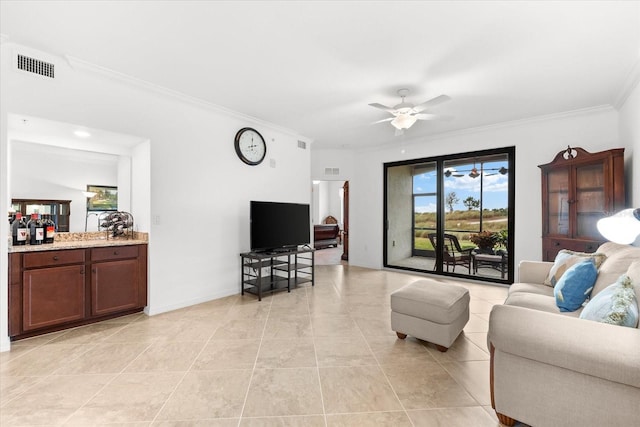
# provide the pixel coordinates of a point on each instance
(575, 285)
(616, 305)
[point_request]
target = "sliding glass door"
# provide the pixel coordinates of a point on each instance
(451, 215)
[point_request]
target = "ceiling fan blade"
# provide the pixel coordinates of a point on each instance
(457, 175)
(424, 116)
(382, 107)
(383, 120)
(431, 103)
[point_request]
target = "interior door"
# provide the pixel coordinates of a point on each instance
(345, 220)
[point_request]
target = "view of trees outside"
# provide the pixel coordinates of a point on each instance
(475, 199)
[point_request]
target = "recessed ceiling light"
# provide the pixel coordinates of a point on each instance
(81, 133)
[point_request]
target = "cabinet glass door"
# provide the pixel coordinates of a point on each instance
(558, 202)
(590, 199)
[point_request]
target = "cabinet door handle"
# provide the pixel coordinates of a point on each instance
(82, 271)
(115, 252)
(557, 244)
(55, 258)
(93, 270)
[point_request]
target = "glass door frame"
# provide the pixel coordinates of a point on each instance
(441, 206)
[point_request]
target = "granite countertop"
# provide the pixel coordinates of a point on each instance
(82, 241)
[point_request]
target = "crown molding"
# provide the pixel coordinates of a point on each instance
(630, 83)
(79, 64)
(496, 126)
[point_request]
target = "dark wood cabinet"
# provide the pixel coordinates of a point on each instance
(59, 289)
(579, 188)
(51, 296)
(114, 286)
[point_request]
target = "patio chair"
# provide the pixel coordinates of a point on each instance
(452, 253)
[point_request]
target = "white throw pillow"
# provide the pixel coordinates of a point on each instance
(616, 305)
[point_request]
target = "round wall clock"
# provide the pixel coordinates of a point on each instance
(250, 146)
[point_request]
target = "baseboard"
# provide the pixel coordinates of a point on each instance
(153, 310)
(5, 344)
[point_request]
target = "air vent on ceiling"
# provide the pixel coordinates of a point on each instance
(332, 171)
(302, 144)
(35, 66)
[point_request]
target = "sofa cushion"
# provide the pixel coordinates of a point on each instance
(619, 258)
(538, 302)
(616, 305)
(575, 285)
(531, 288)
(566, 258)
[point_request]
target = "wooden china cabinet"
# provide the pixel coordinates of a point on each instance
(579, 188)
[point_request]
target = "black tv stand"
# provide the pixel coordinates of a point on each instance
(286, 268)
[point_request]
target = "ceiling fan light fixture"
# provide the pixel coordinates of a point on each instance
(474, 173)
(403, 121)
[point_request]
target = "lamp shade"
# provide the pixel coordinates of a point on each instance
(403, 121)
(623, 227)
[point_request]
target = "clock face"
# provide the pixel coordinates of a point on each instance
(250, 146)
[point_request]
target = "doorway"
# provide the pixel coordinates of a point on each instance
(330, 204)
(452, 215)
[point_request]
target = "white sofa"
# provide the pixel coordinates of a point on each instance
(554, 369)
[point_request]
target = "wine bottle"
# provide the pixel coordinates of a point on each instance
(19, 230)
(36, 231)
(49, 229)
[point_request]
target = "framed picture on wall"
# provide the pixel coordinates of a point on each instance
(105, 198)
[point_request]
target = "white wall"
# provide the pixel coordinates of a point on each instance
(630, 137)
(327, 201)
(4, 225)
(194, 173)
(344, 160)
(323, 201)
(47, 172)
(334, 200)
(141, 185)
(537, 141)
(400, 203)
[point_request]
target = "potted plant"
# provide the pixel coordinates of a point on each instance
(485, 240)
(502, 238)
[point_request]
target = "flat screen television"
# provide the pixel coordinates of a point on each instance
(278, 226)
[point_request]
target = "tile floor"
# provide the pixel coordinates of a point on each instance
(318, 356)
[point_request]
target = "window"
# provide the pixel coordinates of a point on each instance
(451, 215)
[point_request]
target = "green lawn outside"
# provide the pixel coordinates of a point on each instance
(425, 223)
(423, 243)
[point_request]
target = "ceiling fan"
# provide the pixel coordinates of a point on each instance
(406, 114)
(501, 171)
(473, 173)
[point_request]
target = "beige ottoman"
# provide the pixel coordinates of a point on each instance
(432, 311)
